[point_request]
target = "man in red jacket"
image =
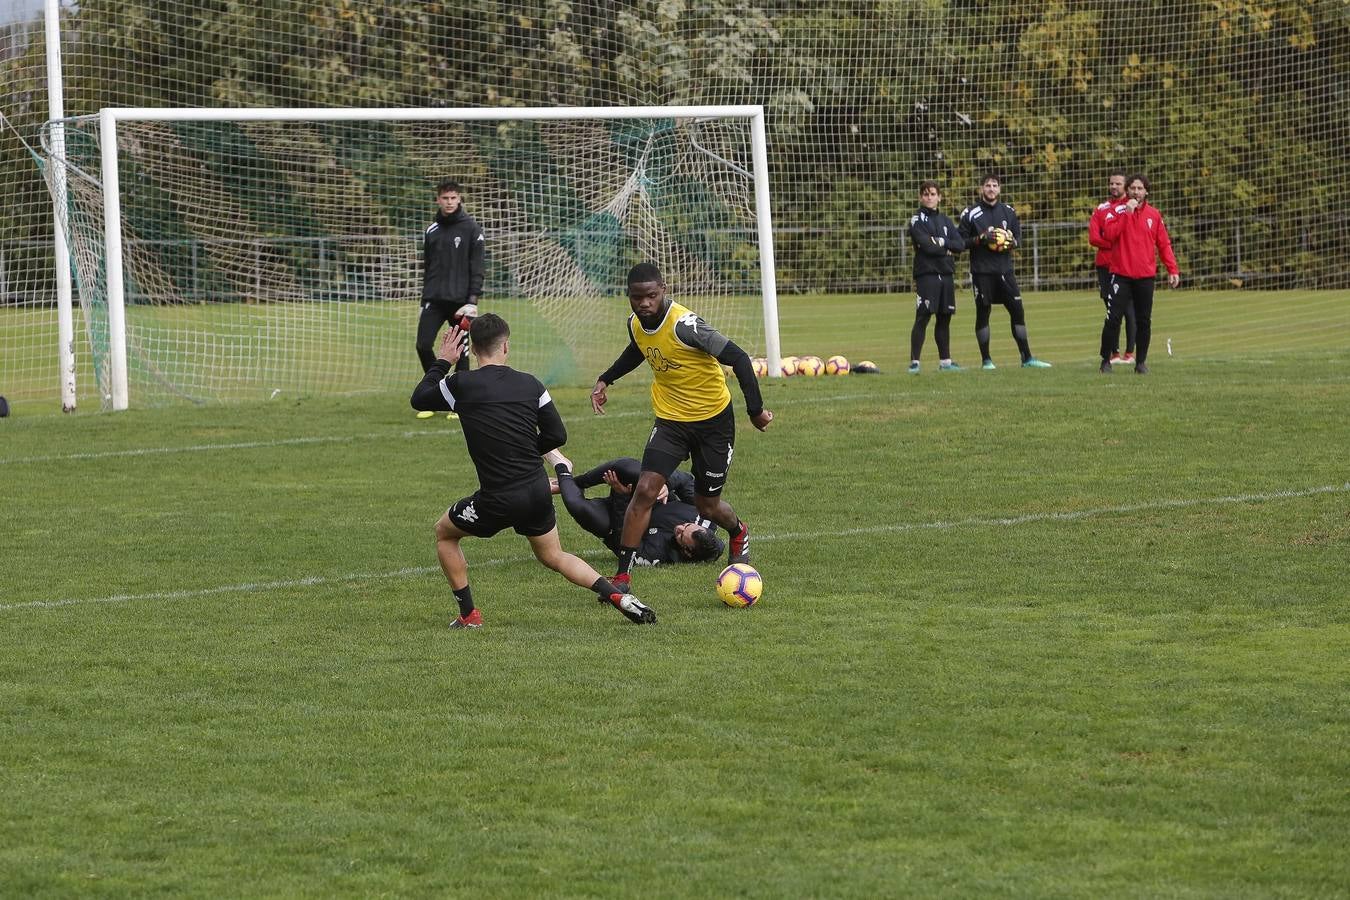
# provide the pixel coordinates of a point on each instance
(1115, 191)
(1138, 237)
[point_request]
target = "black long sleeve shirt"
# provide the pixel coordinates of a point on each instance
(935, 238)
(508, 417)
(453, 253)
(978, 218)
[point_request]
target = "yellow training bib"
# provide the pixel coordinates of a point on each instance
(689, 385)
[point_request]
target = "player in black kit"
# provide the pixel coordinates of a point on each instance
(676, 531)
(509, 422)
(935, 238)
(452, 270)
(992, 232)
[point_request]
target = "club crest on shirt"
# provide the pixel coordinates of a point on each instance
(457, 240)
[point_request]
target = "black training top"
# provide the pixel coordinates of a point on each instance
(977, 219)
(935, 238)
(452, 259)
(508, 418)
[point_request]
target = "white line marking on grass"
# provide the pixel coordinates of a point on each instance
(1073, 515)
(195, 448)
(251, 588)
(1003, 522)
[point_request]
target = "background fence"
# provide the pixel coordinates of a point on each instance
(1238, 110)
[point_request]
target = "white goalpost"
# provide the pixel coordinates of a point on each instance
(234, 253)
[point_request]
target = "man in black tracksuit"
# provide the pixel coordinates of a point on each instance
(935, 238)
(452, 270)
(992, 232)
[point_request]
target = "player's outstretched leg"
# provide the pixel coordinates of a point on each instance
(456, 570)
(549, 551)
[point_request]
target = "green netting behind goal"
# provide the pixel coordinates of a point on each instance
(271, 256)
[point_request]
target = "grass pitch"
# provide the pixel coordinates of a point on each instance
(1025, 633)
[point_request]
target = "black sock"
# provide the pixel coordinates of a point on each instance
(626, 555)
(604, 588)
(465, 598)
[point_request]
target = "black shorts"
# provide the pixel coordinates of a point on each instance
(1104, 284)
(528, 509)
(710, 442)
(935, 294)
(995, 287)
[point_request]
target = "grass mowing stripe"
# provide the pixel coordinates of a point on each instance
(1128, 704)
(1001, 522)
(322, 439)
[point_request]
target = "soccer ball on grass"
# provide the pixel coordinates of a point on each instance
(836, 365)
(739, 585)
(810, 365)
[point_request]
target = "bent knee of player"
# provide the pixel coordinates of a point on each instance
(445, 529)
(648, 489)
(548, 549)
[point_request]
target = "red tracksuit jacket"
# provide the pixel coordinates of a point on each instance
(1134, 238)
(1097, 232)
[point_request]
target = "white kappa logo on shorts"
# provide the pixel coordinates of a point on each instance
(469, 514)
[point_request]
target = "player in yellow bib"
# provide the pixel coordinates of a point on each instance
(694, 416)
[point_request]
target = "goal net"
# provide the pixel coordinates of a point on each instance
(267, 253)
(1237, 111)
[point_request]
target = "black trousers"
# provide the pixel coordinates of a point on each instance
(1135, 295)
(1104, 291)
(936, 297)
(435, 314)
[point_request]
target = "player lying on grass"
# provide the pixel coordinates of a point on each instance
(675, 533)
(509, 421)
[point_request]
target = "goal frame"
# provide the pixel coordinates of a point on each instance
(109, 117)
